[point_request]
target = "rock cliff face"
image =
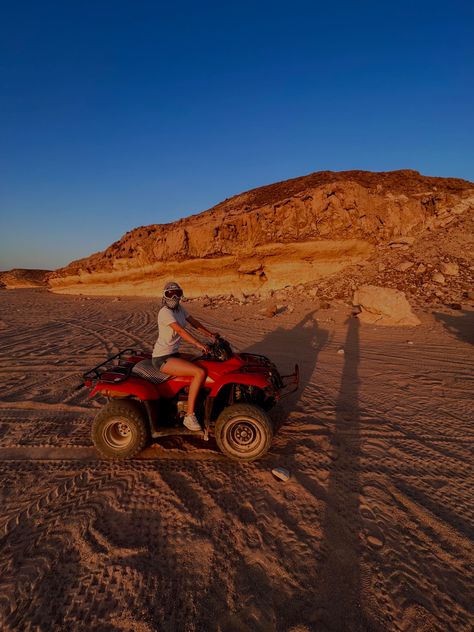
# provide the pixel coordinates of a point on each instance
(286, 233)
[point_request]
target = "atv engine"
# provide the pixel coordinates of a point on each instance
(182, 404)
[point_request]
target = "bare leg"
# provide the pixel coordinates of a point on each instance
(183, 368)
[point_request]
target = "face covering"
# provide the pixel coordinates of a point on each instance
(172, 303)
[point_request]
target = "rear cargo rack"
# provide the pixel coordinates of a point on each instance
(119, 364)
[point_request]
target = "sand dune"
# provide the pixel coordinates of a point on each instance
(372, 532)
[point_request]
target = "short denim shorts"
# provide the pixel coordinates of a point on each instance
(160, 361)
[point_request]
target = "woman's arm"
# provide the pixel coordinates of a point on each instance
(188, 337)
(199, 326)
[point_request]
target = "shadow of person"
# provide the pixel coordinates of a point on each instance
(338, 591)
(300, 345)
(461, 326)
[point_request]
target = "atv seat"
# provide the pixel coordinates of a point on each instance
(147, 371)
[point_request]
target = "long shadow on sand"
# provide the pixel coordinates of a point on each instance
(461, 326)
(338, 589)
(333, 599)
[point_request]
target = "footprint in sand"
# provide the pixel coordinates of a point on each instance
(371, 534)
(366, 512)
(374, 539)
(375, 542)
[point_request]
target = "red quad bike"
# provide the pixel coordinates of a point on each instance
(145, 404)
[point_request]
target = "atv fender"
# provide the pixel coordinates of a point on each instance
(132, 387)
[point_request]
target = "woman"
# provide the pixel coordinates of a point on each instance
(172, 319)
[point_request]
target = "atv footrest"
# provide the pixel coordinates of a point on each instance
(169, 432)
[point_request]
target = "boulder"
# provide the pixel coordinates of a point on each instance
(384, 306)
(401, 241)
(404, 266)
(450, 269)
(438, 277)
(251, 267)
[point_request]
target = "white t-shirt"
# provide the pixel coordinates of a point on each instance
(169, 339)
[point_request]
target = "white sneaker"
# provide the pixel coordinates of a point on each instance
(191, 422)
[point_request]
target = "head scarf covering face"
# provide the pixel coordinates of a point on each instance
(173, 301)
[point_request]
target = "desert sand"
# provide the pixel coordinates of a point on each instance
(373, 531)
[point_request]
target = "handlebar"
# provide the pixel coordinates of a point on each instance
(219, 350)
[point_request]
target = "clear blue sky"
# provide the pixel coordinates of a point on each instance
(119, 114)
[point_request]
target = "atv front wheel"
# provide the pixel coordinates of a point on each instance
(119, 430)
(244, 432)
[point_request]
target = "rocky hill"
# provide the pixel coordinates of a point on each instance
(291, 233)
(20, 278)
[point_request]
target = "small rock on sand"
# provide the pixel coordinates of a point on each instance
(281, 473)
(270, 311)
(438, 278)
(374, 541)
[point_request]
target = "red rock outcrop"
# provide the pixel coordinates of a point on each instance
(283, 234)
(20, 278)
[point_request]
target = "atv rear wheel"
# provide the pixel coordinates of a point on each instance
(244, 432)
(119, 430)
